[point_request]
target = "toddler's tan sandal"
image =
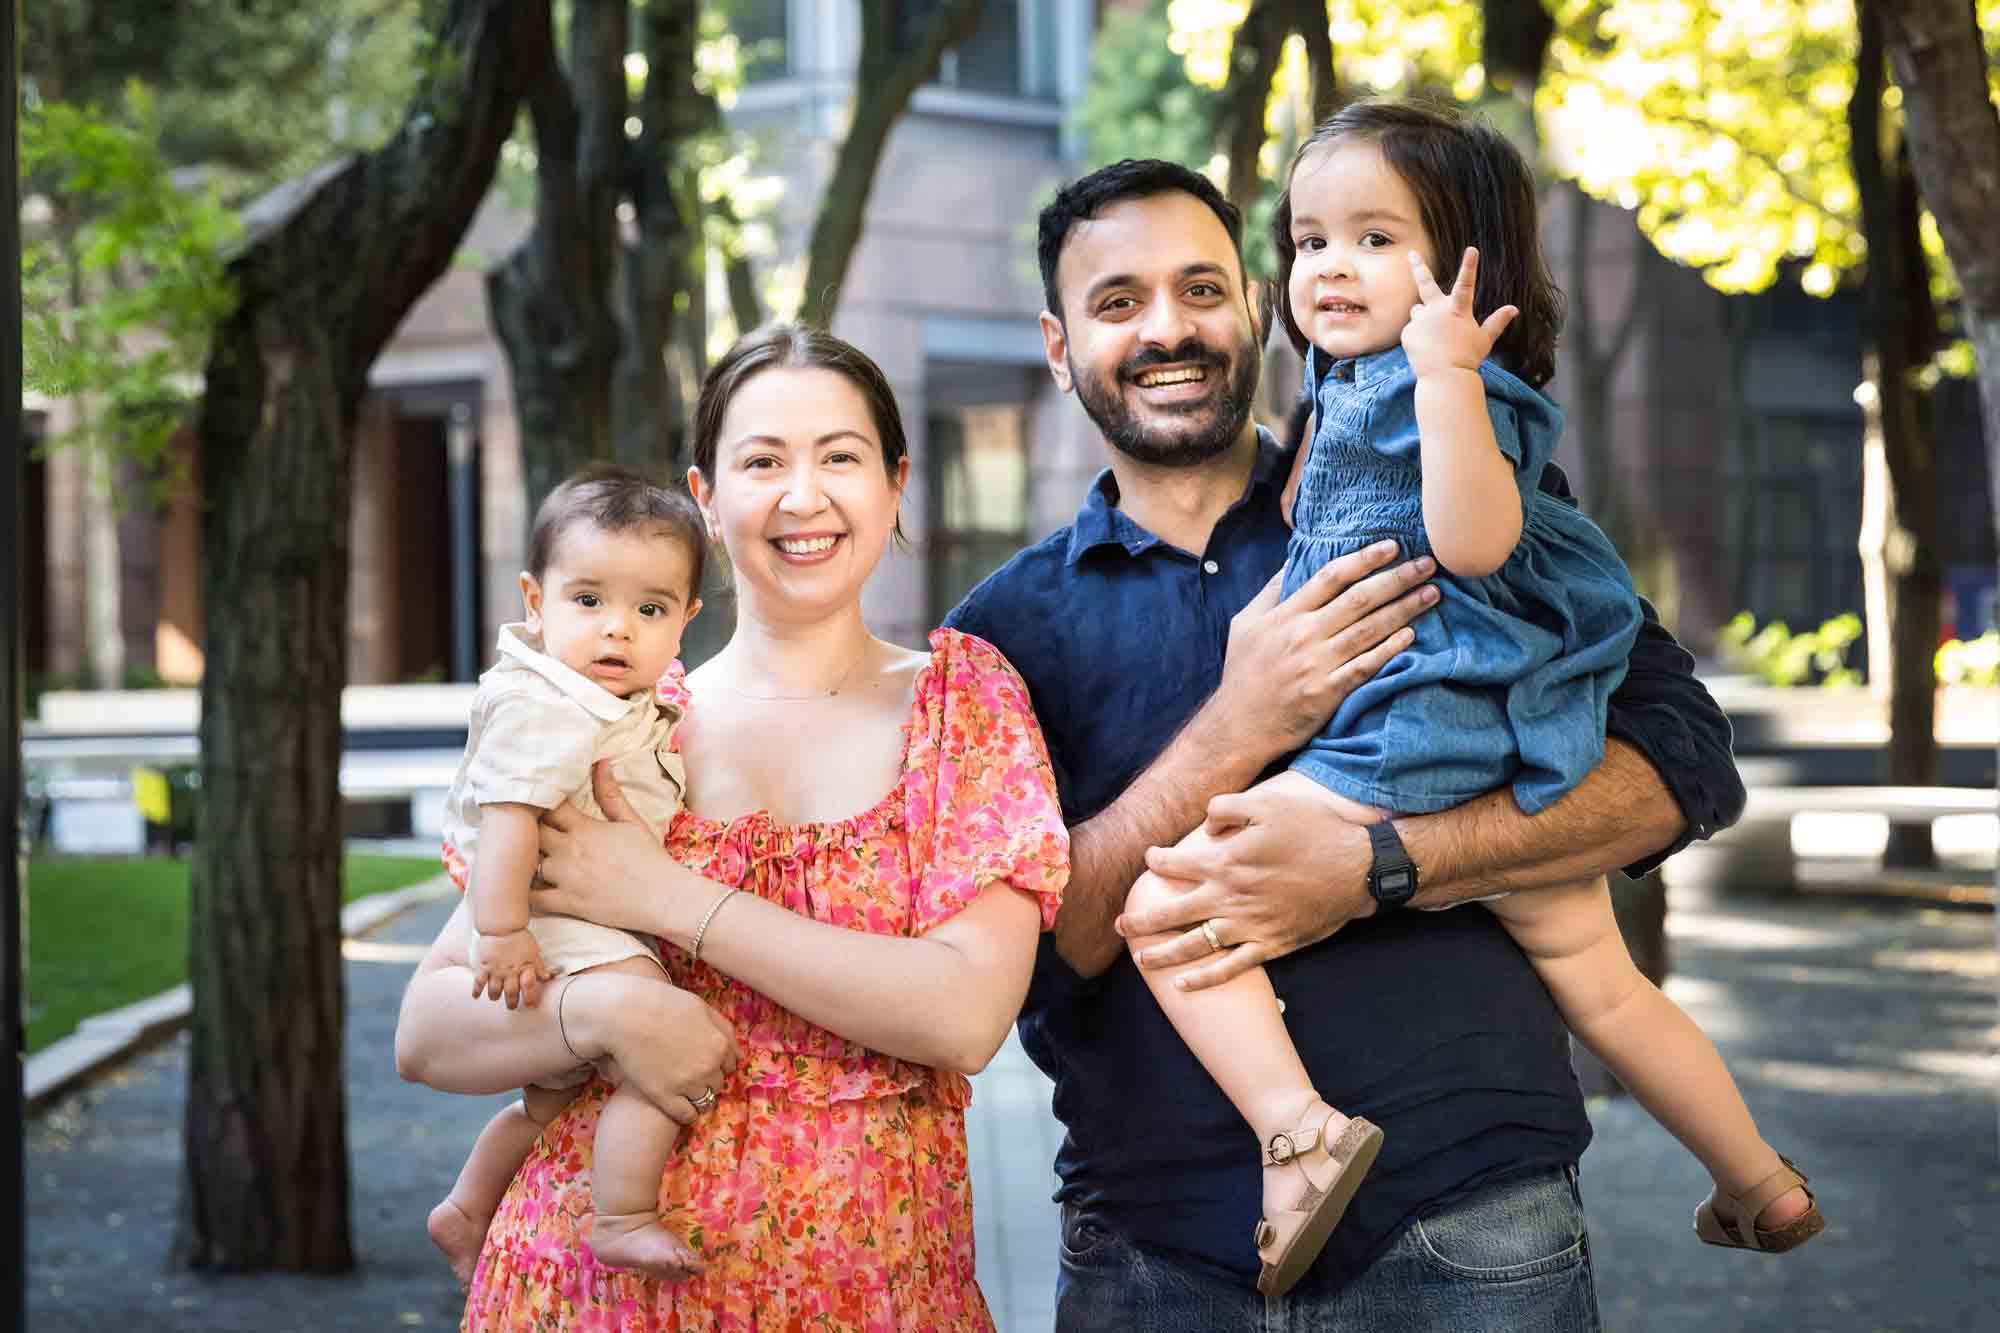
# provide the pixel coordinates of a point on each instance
(1288, 1242)
(1731, 1220)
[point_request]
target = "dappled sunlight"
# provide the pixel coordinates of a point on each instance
(1849, 1081)
(1976, 1068)
(1720, 930)
(381, 951)
(1983, 963)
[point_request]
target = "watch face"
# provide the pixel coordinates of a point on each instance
(1396, 885)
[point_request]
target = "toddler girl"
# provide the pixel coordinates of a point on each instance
(1429, 430)
(614, 567)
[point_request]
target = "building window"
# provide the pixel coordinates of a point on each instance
(978, 477)
(762, 32)
(1010, 54)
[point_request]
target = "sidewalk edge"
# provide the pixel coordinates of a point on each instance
(110, 1036)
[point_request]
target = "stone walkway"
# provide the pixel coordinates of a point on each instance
(1863, 1034)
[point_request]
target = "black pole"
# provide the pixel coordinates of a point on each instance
(13, 1161)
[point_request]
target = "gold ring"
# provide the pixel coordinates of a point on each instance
(1208, 933)
(703, 1102)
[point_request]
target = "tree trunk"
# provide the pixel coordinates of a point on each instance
(1513, 48)
(1591, 363)
(664, 292)
(1253, 63)
(1310, 20)
(333, 264)
(902, 42)
(1954, 136)
(1899, 559)
(551, 299)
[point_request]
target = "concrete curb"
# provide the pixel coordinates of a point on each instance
(100, 1040)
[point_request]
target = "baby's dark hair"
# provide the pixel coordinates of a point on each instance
(1472, 188)
(617, 499)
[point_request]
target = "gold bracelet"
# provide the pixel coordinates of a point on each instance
(694, 950)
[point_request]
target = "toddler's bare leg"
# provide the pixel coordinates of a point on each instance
(1647, 1040)
(458, 1225)
(1238, 1034)
(634, 1140)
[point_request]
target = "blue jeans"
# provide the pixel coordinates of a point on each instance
(1510, 1257)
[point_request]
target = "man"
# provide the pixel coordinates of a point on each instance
(1167, 678)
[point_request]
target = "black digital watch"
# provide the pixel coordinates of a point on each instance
(1392, 879)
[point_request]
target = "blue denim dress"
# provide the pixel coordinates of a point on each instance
(1509, 677)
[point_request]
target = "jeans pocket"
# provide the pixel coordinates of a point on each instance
(1520, 1226)
(1084, 1240)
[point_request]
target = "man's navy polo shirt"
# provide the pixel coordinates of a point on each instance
(1431, 1024)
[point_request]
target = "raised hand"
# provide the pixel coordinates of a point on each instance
(1442, 334)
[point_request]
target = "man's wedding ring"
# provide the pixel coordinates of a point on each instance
(1208, 933)
(703, 1102)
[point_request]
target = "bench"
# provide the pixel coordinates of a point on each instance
(1758, 854)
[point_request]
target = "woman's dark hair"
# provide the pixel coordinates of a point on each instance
(1472, 188)
(1133, 178)
(788, 347)
(616, 499)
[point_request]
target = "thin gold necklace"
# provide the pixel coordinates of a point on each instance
(837, 687)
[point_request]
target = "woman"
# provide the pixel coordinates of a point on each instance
(870, 846)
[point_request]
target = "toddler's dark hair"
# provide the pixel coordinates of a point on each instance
(1472, 188)
(617, 499)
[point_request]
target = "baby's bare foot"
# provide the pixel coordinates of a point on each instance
(638, 1241)
(460, 1236)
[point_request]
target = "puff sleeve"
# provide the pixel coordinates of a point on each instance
(986, 807)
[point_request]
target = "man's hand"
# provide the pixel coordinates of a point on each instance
(1290, 663)
(508, 966)
(1274, 868)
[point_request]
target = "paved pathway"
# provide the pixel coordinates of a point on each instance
(1863, 1035)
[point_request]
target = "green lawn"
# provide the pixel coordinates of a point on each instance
(105, 931)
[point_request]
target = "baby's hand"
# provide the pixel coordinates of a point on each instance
(508, 966)
(1442, 335)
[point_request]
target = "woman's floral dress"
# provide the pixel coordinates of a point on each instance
(828, 1187)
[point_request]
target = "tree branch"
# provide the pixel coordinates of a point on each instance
(902, 42)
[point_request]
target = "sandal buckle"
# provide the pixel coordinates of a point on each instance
(1287, 1146)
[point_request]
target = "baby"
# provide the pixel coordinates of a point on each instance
(614, 567)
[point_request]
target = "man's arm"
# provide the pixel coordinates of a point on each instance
(1288, 666)
(1284, 875)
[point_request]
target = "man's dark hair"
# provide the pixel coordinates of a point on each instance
(1472, 188)
(616, 499)
(1133, 178)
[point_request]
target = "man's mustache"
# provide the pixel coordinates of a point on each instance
(1193, 351)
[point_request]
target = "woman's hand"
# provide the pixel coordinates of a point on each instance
(658, 1039)
(611, 871)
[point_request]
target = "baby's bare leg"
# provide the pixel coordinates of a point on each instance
(458, 1225)
(634, 1140)
(1648, 1041)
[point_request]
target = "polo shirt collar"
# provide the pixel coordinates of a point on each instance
(521, 648)
(1102, 523)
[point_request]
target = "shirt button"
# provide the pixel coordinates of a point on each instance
(1210, 567)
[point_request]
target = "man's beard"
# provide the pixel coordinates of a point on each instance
(1107, 409)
